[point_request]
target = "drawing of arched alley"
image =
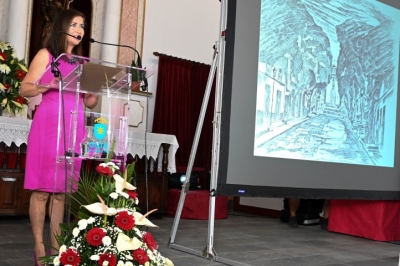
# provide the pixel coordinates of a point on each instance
(327, 81)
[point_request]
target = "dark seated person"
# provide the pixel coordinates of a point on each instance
(294, 205)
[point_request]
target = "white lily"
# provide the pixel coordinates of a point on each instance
(124, 242)
(100, 208)
(168, 262)
(121, 184)
(141, 219)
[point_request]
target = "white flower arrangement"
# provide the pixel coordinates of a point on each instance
(109, 231)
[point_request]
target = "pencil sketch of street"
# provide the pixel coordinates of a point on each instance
(327, 81)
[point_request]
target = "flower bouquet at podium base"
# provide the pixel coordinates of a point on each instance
(109, 229)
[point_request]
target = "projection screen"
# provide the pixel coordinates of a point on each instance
(310, 100)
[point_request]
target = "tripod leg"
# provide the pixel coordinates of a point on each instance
(185, 186)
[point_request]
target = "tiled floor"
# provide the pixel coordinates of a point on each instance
(241, 239)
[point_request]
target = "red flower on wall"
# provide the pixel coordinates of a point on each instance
(3, 57)
(12, 71)
(20, 99)
(20, 74)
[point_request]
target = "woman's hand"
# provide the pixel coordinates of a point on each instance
(90, 100)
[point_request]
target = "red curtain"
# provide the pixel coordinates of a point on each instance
(181, 86)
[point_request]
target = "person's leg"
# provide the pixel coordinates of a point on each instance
(293, 206)
(324, 220)
(56, 211)
(37, 213)
(326, 208)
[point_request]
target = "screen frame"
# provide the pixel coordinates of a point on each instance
(225, 186)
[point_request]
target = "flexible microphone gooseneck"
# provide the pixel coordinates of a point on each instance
(54, 65)
(139, 61)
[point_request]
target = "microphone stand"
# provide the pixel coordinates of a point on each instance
(139, 61)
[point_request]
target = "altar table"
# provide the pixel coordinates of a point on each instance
(374, 219)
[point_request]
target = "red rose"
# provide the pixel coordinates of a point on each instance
(94, 236)
(112, 260)
(19, 99)
(4, 56)
(124, 220)
(149, 240)
(20, 74)
(70, 257)
(132, 194)
(7, 86)
(140, 256)
(104, 170)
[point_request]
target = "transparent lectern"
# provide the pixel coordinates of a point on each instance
(79, 134)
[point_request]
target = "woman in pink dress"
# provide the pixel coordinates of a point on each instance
(47, 179)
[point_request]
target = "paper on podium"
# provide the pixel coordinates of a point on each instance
(95, 76)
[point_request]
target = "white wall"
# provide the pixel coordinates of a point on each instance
(4, 9)
(186, 29)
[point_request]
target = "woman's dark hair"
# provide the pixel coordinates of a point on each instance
(62, 23)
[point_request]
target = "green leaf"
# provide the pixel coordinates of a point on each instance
(131, 173)
(64, 227)
(84, 194)
(23, 67)
(17, 104)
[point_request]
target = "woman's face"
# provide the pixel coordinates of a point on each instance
(76, 28)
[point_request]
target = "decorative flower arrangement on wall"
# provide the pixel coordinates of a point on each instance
(12, 72)
(109, 229)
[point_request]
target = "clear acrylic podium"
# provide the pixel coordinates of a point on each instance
(83, 134)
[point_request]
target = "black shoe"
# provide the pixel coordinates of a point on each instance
(293, 222)
(323, 224)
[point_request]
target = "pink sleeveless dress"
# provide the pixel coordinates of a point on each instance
(42, 172)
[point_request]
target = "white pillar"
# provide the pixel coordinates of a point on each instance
(17, 33)
(111, 27)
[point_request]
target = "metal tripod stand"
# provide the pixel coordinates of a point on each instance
(218, 60)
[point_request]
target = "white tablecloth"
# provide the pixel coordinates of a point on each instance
(16, 130)
(136, 141)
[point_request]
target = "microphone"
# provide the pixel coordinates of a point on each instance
(139, 61)
(54, 65)
(79, 37)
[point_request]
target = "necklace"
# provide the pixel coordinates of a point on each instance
(72, 60)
